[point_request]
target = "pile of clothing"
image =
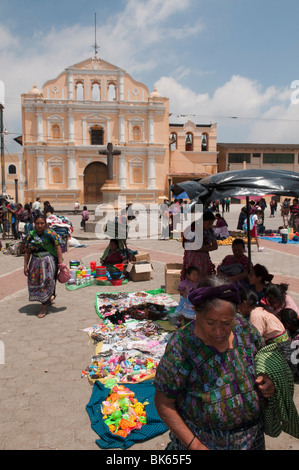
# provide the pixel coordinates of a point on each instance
(62, 226)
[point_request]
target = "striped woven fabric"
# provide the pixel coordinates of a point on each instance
(280, 413)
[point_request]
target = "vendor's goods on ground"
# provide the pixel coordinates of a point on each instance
(122, 412)
(130, 341)
(84, 276)
(153, 304)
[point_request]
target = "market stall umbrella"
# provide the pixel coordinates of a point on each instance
(254, 182)
(183, 195)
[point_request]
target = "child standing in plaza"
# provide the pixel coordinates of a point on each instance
(85, 217)
(185, 308)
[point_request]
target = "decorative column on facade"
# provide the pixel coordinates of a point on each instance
(70, 86)
(121, 129)
(121, 87)
(103, 90)
(40, 172)
(151, 129)
(21, 178)
(71, 127)
(39, 127)
(122, 172)
(108, 130)
(151, 171)
(72, 176)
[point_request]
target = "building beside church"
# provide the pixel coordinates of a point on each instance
(239, 156)
(67, 125)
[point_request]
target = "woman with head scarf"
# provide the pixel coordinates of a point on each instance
(207, 390)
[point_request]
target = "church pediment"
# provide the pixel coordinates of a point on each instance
(94, 63)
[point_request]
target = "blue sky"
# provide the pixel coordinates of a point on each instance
(216, 60)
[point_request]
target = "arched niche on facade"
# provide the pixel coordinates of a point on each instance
(173, 141)
(96, 90)
(79, 90)
(205, 142)
(95, 176)
(189, 142)
(56, 133)
(112, 91)
(56, 170)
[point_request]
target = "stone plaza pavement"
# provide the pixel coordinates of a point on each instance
(43, 397)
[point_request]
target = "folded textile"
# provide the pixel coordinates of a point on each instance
(280, 413)
(144, 392)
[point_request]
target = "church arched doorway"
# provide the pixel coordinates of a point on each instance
(95, 176)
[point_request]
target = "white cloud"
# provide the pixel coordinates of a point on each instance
(7, 40)
(244, 111)
(132, 39)
(141, 38)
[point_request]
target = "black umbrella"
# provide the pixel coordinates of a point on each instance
(247, 183)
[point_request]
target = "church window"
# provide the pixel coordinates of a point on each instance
(12, 170)
(97, 136)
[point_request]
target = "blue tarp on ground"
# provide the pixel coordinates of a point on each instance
(278, 240)
(144, 391)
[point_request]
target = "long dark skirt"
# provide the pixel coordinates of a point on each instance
(42, 277)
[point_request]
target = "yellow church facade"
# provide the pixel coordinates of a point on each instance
(69, 123)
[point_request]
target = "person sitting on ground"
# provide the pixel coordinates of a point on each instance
(290, 320)
(185, 309)
(259, 277)
(276, 298)
(235, 267)
(221, 227)
(113, 255)
(270, 326)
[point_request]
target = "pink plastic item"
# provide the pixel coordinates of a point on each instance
(64, 274)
